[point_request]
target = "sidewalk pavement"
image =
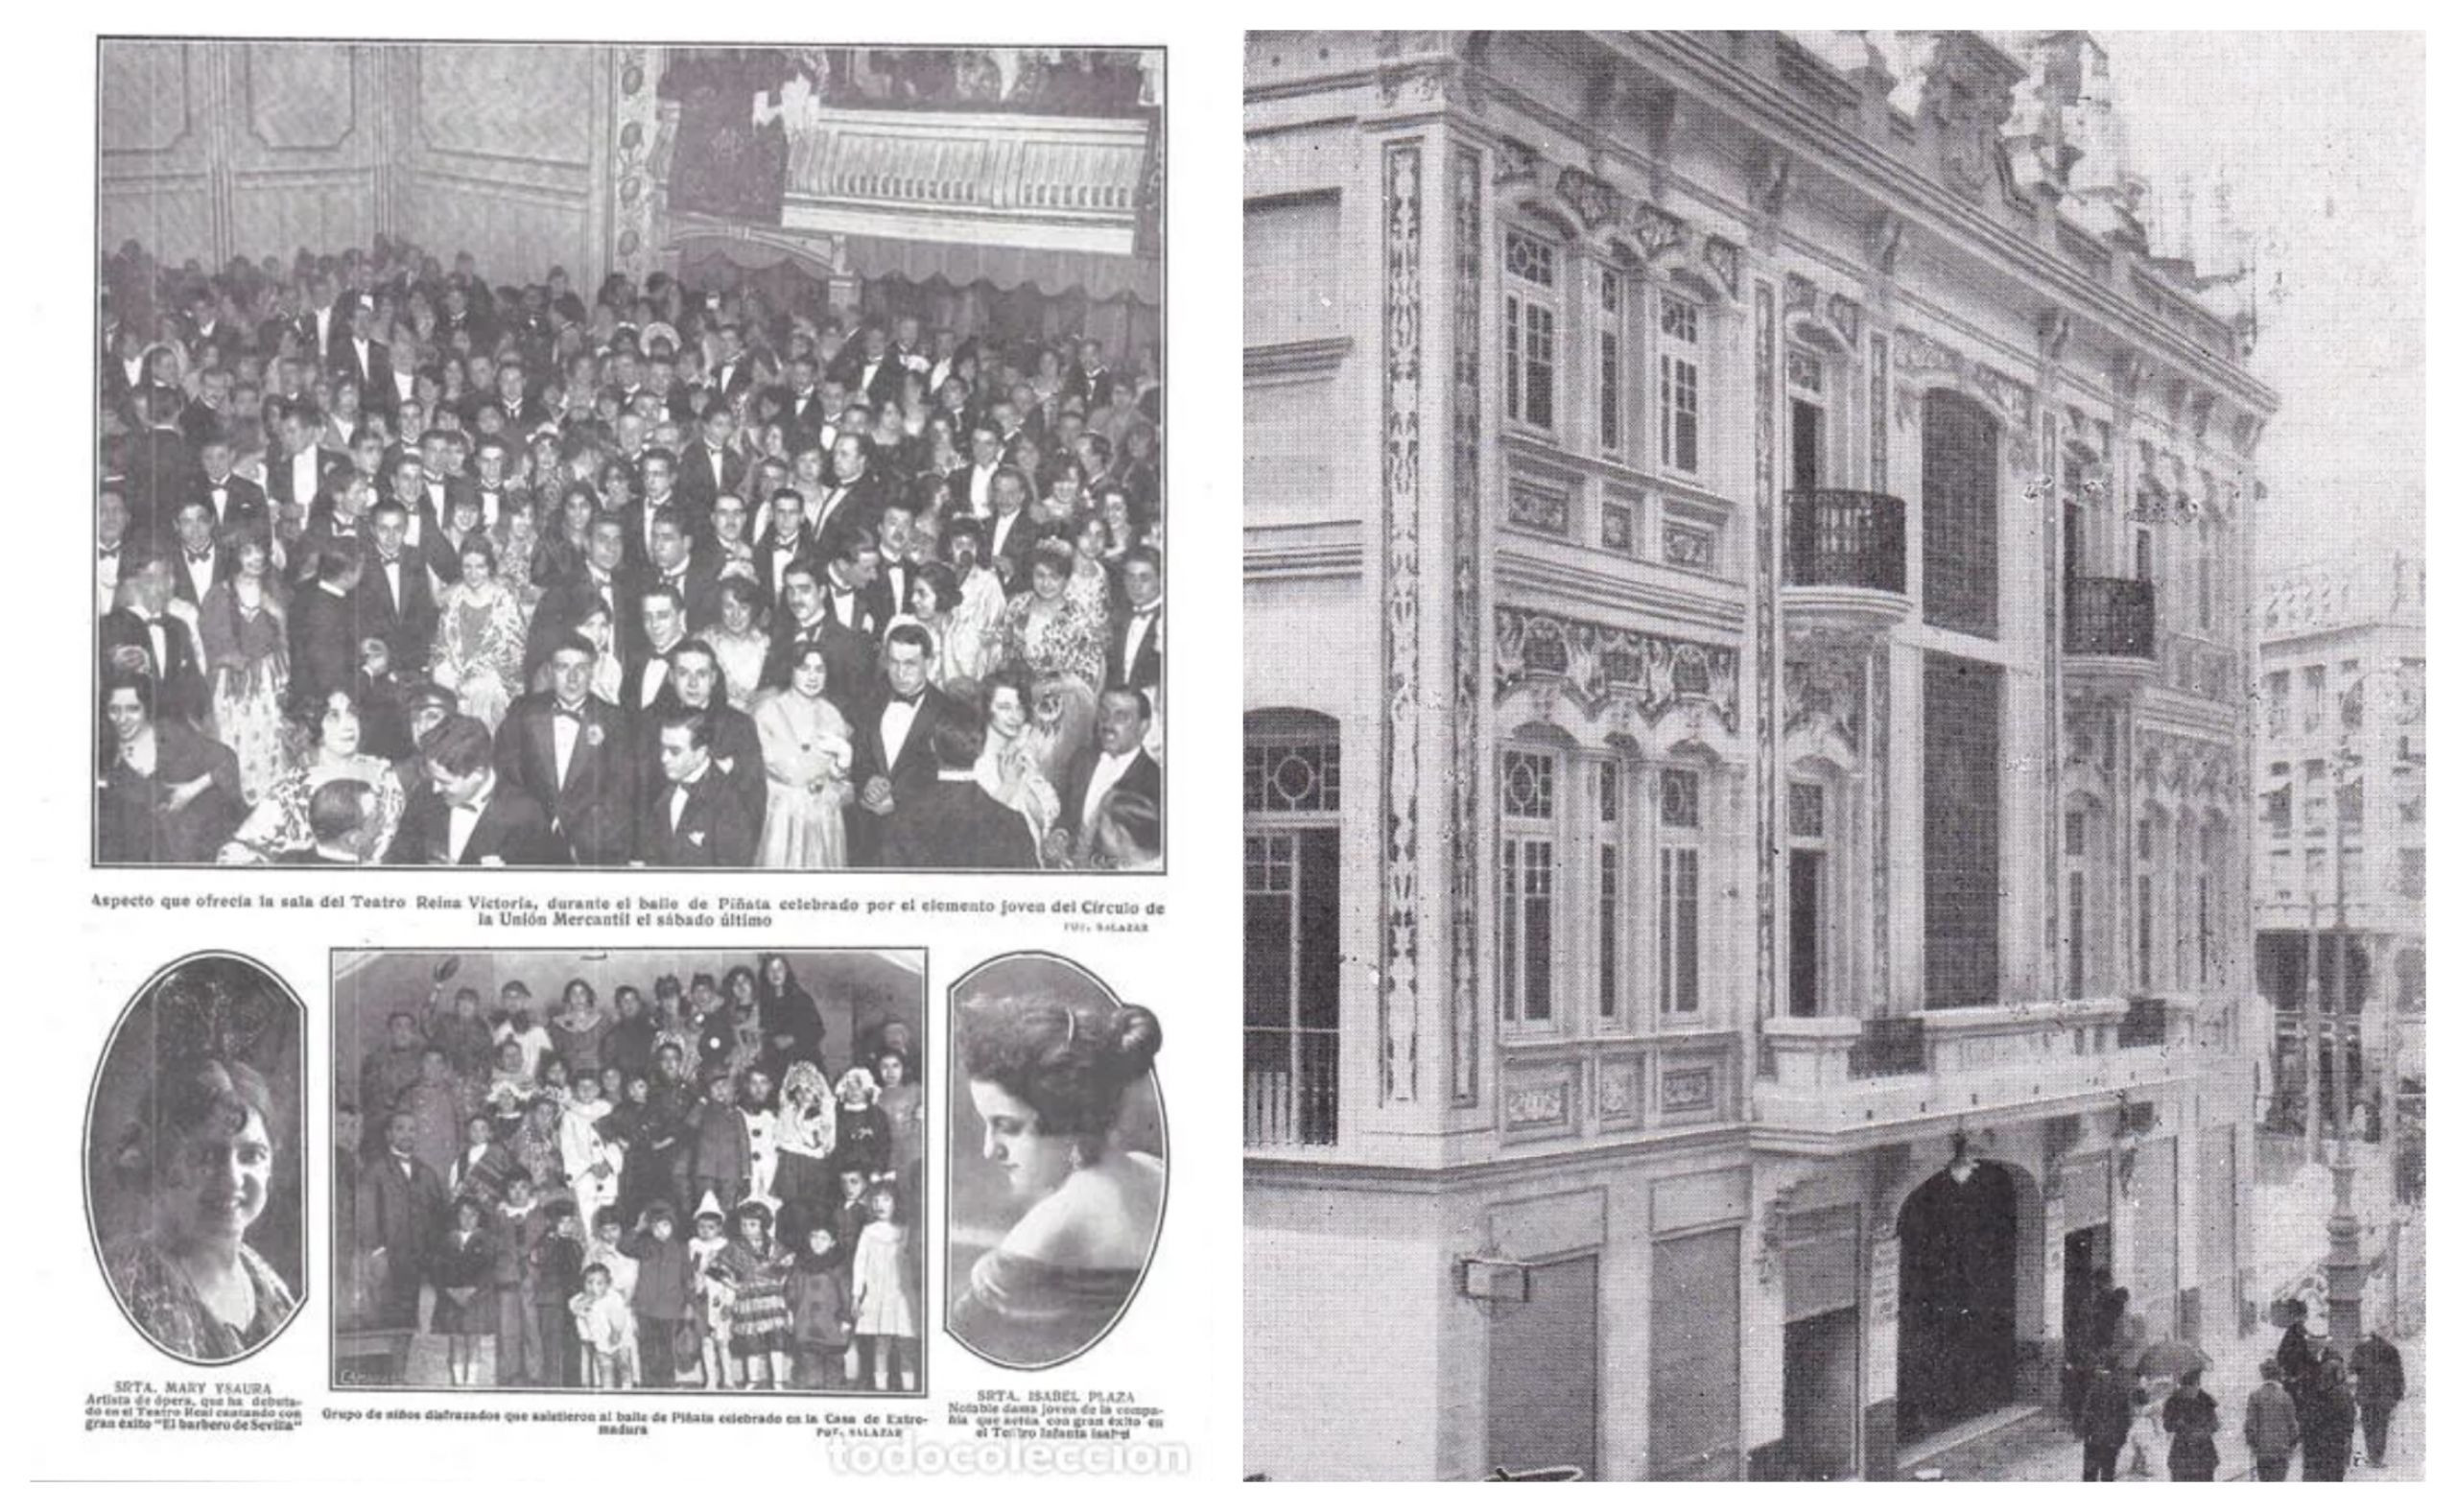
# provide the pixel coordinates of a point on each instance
(2044, 1449)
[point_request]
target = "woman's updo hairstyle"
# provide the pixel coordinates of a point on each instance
(1070, 1062)
(186, 1097)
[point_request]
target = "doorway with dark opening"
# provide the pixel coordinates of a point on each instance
(1958, 1356)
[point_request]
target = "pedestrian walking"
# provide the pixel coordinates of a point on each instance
(2297, 1356)
(2106, 1422)
(2328, 1427)
(2191, 1422)
(2378, 1385)
(2270, 1427)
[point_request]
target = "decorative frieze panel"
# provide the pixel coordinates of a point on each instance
(1598, 662)
(1466, 611)
(1402, 692)
(1690, 1092)
(1822, 689)
(1620, 1091)
(1539, 1099)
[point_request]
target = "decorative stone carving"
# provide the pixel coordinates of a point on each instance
(1596, 663)
(1401, 383)
(1917, 352)
(1884, 234)
(1723, 257)
(1769, 188)
(1598, 204)
(2009, 394)
(2054, 332)
(1822, 689)
(1465, 610)
(1799, 294)
(1843, 313)
(1513, 163)
(1657, 229)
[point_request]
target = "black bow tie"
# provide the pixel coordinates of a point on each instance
(110, 551)
(561, 713)
(388, 562)
(912, 699)
(204, 556)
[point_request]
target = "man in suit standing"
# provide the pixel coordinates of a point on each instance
(466, 814)
(697, 820)
(851, 656)
(1120, 762)
(569, 749)
(196, 560)
(236, 500)
(395, 600)
(1135, 647)
(324, 624)
(400, 1209)
(736, 760)
(1009, 535)
(954, 823)
(361, 358)
(141, 635)
(783, 543)
(691, 575)
(854, 501)
(711, 466)
(602, 583)
(295, 471)
(323, 330)
(647, 677)
(891, 762)
(851, 583)
(157, 463)
(971, 483)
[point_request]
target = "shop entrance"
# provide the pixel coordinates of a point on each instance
(1821, 1396)
(1958, 1356)
(1542, 1390)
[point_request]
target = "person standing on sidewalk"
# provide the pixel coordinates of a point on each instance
(2328, 1427)
(2192, 1420)
(2378, 1385)
(2270, 1427)
(2106, 1422)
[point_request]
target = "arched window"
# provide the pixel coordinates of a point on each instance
(1292, 914)
(1958, 467)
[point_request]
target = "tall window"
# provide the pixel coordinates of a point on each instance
(1963, 808)
(1805, 374)
(1529, 796)
(1681, 828)
(1679, 362)
(1608, 899)
(1608, 397)
(2315, 698)
(2277, 691)
(1809, 885)
(2207, 590)
(2076, 903)
(1292, 914)
(1531, 320)
(1957, 491)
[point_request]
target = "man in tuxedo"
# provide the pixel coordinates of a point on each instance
(157, 461)
(954, 823)
(364, 361)
(323, 330)
(112, 542)
(732, 375)
(467, 814)
(711, 466)
(439, 481)
(853, 500)
(1091, 378)
(672, 563)
(851, 656)
(522, 411)
(695, 686)
(208, 413)
(1119, 761)
(807, 418)
(394, 599)
(970, 483)
(1008, 535)
(197, 559)
(899, 562)
(657, 467)
(850, 585)
(873, 374)
(1135, 645)
(140, 635)
(891, 762)
(491, 481)
(324, 623)
(570, 749)
(602, 583)
(295, 470)
(237, 503)
(647, 675)
(697, 820)
(337, 815)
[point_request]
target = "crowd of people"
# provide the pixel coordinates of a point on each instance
(395, 566)
(677, 1190)
(2310, 1398)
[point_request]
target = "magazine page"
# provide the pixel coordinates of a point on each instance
(630, 884)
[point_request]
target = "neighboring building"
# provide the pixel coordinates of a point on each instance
(2342, 818)
(1746, 750)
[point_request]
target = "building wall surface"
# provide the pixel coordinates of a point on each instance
(1527, 603)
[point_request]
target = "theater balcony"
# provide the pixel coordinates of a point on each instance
(2110, 632)
(1844, 561)
(987, 181)
(1836, 1084)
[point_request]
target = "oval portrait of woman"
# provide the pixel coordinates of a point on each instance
(1058, 1157)
(195, 1139)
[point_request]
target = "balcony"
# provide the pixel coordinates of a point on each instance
(1844, 559)
(2111, 630)
(1291, 1087)
(1840, 1084)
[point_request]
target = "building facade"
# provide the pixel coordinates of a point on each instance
(2343, 821)
(1746, 750)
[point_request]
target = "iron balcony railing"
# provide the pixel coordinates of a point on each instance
(1844, 538)
(1895, 1047)
(1291, 1086)
(2110, 617)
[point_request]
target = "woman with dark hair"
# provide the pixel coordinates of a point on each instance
(328, 730)
(740, 644)
(806, 744)
(1049, 1075)
(203, 1159)
(789, 1017)
(243, 626)
(164, 793)
(483, 635)
(1048, 633)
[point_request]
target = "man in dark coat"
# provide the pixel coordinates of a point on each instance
(891, 761)
(697, 821)
(2378, 1385)
(568, 748)
(400, 1209)
(954, 822)
(1117, 762)
(142, 636)
(2328, 1427)
(466, 814)
(2106, 1422)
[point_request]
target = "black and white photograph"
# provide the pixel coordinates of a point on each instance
(1057, 1159)
(1854, 907)
(592, 455)
(652, 1169)
(196, 1144)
